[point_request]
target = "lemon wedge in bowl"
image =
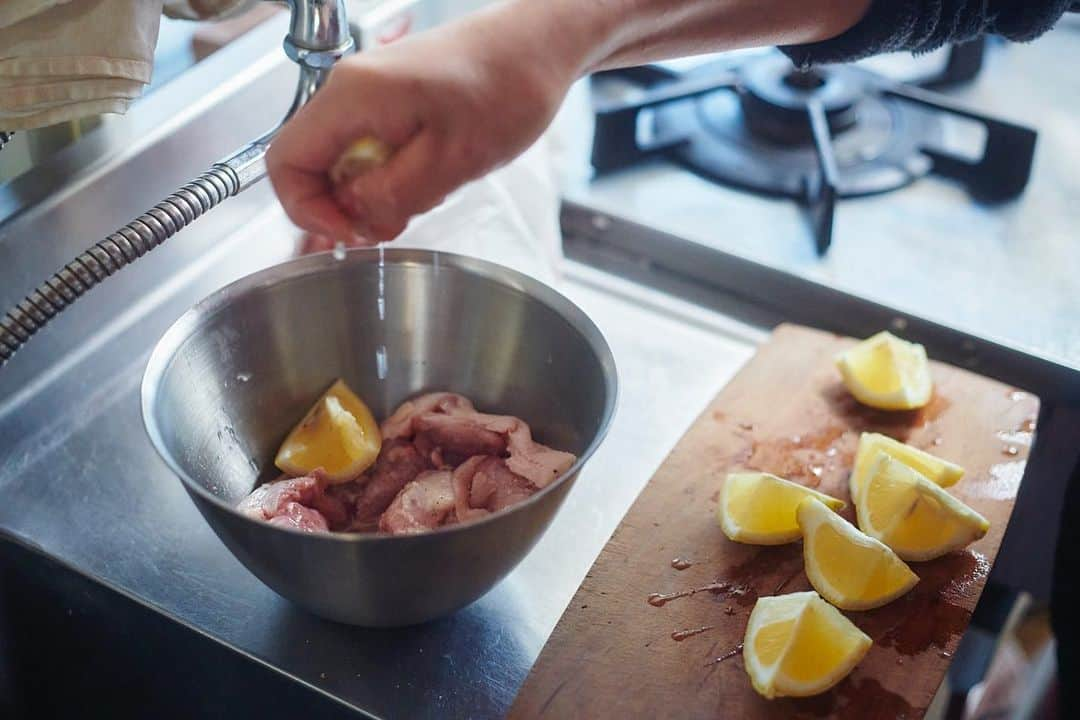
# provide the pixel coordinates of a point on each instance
(759, 508)
(849, 569)
(913, 516)
(798, 645)
(886, 372)
(339, 434)
(941, 472)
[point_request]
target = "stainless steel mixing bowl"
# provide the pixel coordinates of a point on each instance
(230, 378)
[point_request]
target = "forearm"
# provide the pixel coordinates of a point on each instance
(602, 34)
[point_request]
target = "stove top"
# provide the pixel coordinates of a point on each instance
(999, 270)
(813, 135)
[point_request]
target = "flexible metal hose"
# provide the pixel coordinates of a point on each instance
(318, 37)
(119, 249)
(123, 247)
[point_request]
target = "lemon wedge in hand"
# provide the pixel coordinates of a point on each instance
(361, 156)
(851, 570)
(339, 435)
(886, 372)
(759, 508)
(798, 645)
(913, 516)
(941, 472)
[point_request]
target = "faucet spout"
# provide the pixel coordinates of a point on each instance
(318, 32)
(318, 37)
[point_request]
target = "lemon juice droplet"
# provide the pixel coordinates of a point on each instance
(380, 362)
(382, 284)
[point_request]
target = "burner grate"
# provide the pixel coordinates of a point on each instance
(814, 136)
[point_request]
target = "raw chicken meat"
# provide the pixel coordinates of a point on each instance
(422, 505)
(400, 424)
(441, 462)
(398, 464)
(460, 436)
(296, 516)
(537, 463)
(484, 484)
(468, 433)
(300, 503)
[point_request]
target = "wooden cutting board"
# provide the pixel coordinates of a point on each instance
(615, 654)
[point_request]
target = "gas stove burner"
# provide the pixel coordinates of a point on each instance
(773, 97)
(758, 137)
(816, 135)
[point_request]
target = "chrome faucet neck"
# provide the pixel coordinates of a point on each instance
(318, 37)
(319, 33)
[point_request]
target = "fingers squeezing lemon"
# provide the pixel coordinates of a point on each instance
(363, 155)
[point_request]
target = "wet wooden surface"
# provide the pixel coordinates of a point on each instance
(655, 628)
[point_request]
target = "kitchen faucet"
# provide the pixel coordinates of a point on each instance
(318, 37)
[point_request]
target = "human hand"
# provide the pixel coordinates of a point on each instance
(453, 103)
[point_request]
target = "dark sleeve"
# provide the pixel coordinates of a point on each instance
(923, 25)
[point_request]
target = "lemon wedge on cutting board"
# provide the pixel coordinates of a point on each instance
(851, 570)
(338, 434)
(941, 472)
(798, 645)
(886, 372)
(913, 516)
(759, 508)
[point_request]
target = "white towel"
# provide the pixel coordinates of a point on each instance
(510, 217)
(61, 60)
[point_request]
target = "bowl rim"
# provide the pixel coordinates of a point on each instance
(164, 353)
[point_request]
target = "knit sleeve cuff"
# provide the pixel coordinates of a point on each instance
(886, 26)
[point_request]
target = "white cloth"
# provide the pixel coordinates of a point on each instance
(509, 217)
(65, 59)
